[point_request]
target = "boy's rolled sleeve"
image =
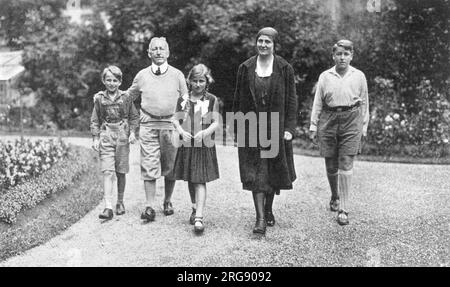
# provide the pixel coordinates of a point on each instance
(365, 104)
(95, 121)
(317, 106)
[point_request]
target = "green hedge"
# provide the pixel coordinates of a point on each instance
(29, 193)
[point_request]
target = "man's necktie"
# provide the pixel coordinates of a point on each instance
(158, 72)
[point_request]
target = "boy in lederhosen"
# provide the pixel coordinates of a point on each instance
(113, 124)
(340, 116)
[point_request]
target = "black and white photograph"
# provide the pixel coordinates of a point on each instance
(252, 134)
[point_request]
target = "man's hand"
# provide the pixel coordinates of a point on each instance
(132, 138)
(96, 144)
(186, 136)
(313, 137)
(287, 136)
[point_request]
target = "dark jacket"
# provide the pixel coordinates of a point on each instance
(282, 99)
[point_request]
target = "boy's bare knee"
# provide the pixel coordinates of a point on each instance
(346, 162)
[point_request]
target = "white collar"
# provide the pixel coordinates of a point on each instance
(163, 68)
(264, 72)
(349, 71)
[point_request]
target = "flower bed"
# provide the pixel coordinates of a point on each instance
(34, 189)
(23, 159)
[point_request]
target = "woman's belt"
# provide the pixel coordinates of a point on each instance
(341, 108)
(156, 117)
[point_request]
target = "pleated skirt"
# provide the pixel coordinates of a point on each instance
(196, 164)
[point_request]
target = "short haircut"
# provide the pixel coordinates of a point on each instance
(113, 70)
(202, 71)
(268, 31)
(346, 44)
(154, 39)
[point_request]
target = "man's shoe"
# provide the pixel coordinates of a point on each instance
(192, 217)
(260, 226)
(148, 214)
(270, 219)
(334, 204)
(342, 217)
(106, 214)
(120, 209)
(168, 209)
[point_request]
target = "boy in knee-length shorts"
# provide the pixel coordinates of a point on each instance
(339, 118)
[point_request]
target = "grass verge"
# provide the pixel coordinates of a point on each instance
(54, 214)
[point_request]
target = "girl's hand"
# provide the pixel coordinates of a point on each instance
(186, 136)
(199, 136)
(132, 138)
(96, 144)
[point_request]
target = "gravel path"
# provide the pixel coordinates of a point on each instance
(399, 216)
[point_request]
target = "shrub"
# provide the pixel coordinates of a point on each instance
(24, 159)
(34, 190)
(421, 130)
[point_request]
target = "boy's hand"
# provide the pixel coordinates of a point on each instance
(96, 144)
(132, 138)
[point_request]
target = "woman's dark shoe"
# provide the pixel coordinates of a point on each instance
(198, 225)
(192, 217)
(168, 208)
(334, 204)
(106, 214)
(120, 208)
(270, 219)
(148, 214)
(260, 226)
(342, 217)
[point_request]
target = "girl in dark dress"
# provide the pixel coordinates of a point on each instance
(196, 160)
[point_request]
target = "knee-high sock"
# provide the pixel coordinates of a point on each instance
(333, 181)
(345, 184)
(121, 181)
(109, 182)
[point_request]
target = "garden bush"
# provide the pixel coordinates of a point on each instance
(23, 159)
(396, 128)
(34, 189)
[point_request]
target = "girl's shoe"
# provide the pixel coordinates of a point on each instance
(342, 217)
(106, 214)
(192, 217)
(260, 226)
(270, 219)
(198, 225)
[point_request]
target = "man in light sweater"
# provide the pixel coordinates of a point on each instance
(159, 85)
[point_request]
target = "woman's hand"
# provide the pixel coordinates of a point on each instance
(313, 137)
(287, 136)
(132, 138)
(96, 144)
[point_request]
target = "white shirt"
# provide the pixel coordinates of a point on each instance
(334, 91)
(264, 72)
(163, 68)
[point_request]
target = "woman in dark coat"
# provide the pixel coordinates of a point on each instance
(265, 83)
